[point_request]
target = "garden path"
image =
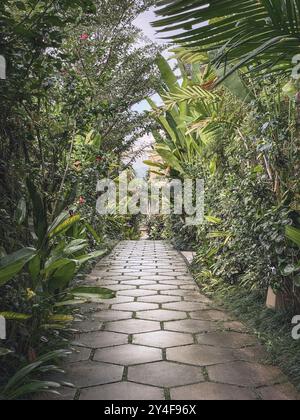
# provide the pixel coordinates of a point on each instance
(160, 338)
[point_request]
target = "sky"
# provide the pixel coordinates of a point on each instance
(144, 23)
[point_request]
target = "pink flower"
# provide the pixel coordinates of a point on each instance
(84, 37)
(81, 200)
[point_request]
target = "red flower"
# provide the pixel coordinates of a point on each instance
(84, 37)
(98, 159)
(81, 200)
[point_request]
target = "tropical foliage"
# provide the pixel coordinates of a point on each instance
(248, 159)
(261, 35)
(75, 70)
(249, 240)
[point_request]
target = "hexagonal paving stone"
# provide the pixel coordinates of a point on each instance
(120, 278)
(139, 282)
(104, 282)
(79, 354)
(122, 391)
(176, 282)
(128, 355)
(165, 374)
(177, 292)
(245, 374)
(158, 287)
(89, 325)
(253, 354)
(137, 293)
(133, 326)
(119, 299)
(131, 272)
(147, 275)
(210, 315)
(230, 340)
(200, 355)
(156, 277)
(191, 326)
(85, 374)
(209, 392)
(195, 296)
(283, 392)
(120, 287)
(101, 339)
(91, 308)
(167, 271)
(185, 306)
(163, 339)
(161, 315)
(135, 306)
(235, 326)
(189, 288)
(159, 299)
(113, 315)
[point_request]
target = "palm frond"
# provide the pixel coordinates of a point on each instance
(264, 35)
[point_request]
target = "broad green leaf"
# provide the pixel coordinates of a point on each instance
(169, 157)
(14, 316)
(93, 291)
(167, 73)
(55, 264)
(64, 215)
(75, 246)
(61, 318)
(214, 220)
(64, 225)
(14, 386)
(39, 213)
(289, 270)
(12, 264)
(34, 267)
(93, 232)
(154, 164)
(21, 211)
(217, 234)
(293, 234)
(61, 278)
(297, 281)
(73, 302)
(92, 255)
(48, 327)
(4, 351)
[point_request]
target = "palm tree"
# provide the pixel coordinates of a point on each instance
(259, 35)
(192, 117)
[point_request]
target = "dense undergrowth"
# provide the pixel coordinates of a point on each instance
(75, 70)
(232, 119)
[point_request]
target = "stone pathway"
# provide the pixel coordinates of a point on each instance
(161, 339)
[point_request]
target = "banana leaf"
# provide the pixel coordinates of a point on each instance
(12, 264)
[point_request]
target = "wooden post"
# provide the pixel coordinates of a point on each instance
(275, 301)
